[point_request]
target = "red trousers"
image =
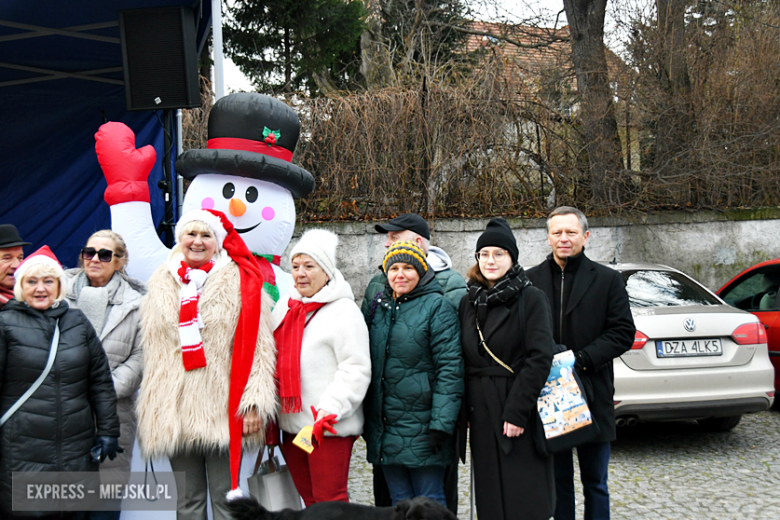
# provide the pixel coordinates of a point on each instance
(322, 475)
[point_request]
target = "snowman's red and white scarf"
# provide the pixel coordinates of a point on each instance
(192, 353)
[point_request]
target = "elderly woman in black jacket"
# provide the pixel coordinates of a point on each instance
(506, 332)
(73, 411)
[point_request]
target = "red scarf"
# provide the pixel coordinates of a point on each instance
(245, 341)
(289, 336)
(192, 354)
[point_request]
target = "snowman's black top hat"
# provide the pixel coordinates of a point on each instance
(251, 135)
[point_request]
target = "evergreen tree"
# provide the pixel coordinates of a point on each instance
(288, 45)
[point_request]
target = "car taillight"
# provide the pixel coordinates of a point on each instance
(749, 334)
(639, 341)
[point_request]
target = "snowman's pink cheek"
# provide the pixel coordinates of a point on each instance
(207, 203)
(268, 213)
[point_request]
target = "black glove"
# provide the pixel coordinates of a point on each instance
(582, 361)
(106, 447)
(437, 440)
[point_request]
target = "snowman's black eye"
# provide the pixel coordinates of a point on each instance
(251, 194)
(228, 190)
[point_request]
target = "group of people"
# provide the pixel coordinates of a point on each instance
(206, 364)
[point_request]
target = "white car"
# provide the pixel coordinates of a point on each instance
(693, 357)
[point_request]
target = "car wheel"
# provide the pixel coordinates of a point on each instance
(719, 424)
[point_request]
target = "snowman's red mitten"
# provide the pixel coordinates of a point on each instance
(126, 168)
(325, 422)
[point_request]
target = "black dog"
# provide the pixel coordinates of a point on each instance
(419, 508)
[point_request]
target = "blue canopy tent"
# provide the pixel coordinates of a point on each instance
(60, 76)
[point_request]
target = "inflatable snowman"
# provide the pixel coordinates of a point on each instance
(246, 172)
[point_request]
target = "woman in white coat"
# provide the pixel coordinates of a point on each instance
(323, 368)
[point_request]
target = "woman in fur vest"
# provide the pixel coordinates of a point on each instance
(324, 368)
(209, 361)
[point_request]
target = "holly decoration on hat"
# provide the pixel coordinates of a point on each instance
(271, 136)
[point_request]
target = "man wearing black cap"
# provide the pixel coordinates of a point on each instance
(11, 255)
(414, 228)
(592, 318)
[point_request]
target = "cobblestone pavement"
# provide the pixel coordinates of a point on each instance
(669, 470)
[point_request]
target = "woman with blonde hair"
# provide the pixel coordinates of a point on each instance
(209, 360)
(111, 301)
(53, 350)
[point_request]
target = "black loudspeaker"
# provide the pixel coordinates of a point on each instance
(160, 58)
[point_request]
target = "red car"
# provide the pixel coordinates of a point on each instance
(755, 290)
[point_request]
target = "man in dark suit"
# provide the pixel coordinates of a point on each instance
(591, 317)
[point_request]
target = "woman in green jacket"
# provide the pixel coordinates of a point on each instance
(417, 377)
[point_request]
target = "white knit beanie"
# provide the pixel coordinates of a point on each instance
(201, 215)
(321, 246)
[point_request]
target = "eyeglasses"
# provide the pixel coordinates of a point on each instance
(498, 255)
(104, 255)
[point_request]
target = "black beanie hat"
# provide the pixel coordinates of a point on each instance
(498, 234)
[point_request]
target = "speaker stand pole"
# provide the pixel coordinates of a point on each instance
(166, 185)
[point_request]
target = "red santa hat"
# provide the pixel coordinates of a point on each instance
(43, 256)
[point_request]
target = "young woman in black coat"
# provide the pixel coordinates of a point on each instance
(503, 314)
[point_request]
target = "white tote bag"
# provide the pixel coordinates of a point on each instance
(272, 485)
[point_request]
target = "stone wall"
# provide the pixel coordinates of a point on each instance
(709, 246)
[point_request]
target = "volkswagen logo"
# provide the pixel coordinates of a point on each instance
(689, 325)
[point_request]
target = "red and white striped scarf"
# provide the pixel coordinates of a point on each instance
(192, 354)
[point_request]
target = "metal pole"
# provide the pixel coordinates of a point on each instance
(216, 32)
(179, 178)
(167, 183)
(471, 489)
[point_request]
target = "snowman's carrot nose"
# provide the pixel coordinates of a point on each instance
(236, 207)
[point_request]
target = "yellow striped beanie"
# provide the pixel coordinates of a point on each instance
(407, 252)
